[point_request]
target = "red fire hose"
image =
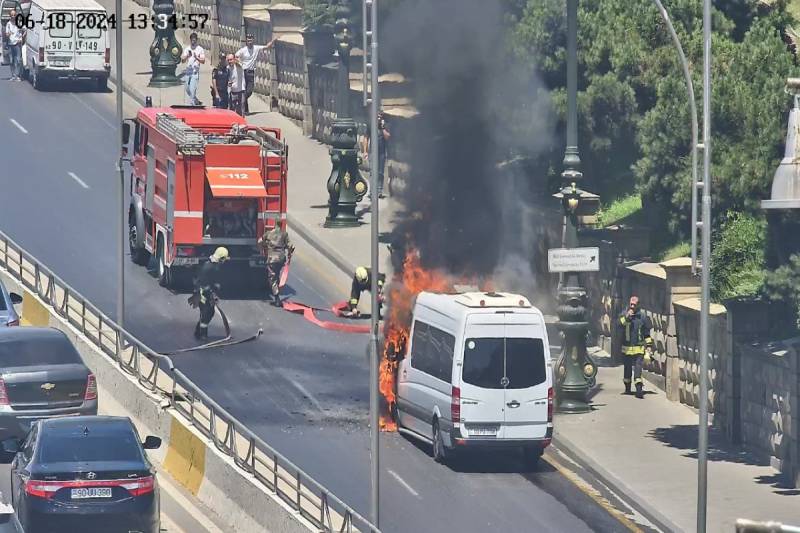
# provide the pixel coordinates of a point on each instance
(309, 313)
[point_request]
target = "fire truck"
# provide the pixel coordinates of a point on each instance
(202, 178)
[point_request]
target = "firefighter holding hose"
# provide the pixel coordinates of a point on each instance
(206, 287)
(276, 246)
(362, 281)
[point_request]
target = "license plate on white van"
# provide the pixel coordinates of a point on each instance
(483, 430)
(90, 492)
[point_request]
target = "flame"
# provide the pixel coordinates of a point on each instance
(412, 280)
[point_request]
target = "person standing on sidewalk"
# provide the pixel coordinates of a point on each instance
(193, 56)
(236, 84)
(15, 35)
(637, 344)
(219, 83)
(248, 57)
(383, 141)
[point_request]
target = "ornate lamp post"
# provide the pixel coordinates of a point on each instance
(165, 52)
(346, 186)
(574, 370)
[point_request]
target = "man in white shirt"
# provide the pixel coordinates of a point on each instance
(193, 56)
(14, 35)
(248, 57)
(236, 84)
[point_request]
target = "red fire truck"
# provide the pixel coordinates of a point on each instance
(202, 178)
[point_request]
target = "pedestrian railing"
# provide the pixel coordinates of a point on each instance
(157, 373)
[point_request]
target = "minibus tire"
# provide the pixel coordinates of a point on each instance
(439, 450)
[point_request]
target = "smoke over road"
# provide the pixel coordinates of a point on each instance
(464, 212)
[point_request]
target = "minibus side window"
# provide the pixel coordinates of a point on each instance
(441, 345)
(420, 349)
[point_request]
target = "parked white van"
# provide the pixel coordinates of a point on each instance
(70, 44)
(477, 375)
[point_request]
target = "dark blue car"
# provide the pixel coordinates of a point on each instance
(86, 473)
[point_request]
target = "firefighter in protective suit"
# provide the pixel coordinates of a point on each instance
(276, 246)
(637, 344)
(362, 281)
(206, 287)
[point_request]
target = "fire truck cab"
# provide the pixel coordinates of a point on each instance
(201, 178)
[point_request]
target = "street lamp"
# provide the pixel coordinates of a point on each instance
(165, 52)
(575, 371)
(345, 185)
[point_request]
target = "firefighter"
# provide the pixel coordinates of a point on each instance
(276, 246)
(637, 344)
(206, 287)
(362, 281)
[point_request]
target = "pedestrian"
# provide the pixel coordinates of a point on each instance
(276, 246)
(637, 344)
(206, 287)
(248, 57)
(362, 281)
(383, 141)
(219, 83)
(193, 56)
(236, 84)
(14, 36)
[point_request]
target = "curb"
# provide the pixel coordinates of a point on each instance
(330, 254)
(625, 493)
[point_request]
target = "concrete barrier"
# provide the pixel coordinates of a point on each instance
(240, 503)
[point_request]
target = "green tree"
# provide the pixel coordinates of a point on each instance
(737, 259)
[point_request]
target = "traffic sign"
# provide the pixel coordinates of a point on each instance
(573, 259)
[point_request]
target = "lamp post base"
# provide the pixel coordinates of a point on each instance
(573, 402)
(163, 81)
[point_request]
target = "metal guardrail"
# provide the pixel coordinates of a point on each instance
(157, 373)
(749, 526)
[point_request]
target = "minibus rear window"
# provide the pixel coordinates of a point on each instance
(488, 360)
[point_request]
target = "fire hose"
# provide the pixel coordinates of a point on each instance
(310, 313)
(226, 341)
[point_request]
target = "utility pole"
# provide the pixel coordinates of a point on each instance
(122, 215)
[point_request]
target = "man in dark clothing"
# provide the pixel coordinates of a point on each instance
(219, 83)
(383, 140)
(362, 281)
(276, 246)
(205, 288)
(637, 344)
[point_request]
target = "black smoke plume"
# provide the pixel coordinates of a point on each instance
(468, 207)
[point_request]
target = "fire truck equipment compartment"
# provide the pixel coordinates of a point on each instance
(235, 182)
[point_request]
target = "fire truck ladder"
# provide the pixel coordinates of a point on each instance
(188, 140)
(271, 144)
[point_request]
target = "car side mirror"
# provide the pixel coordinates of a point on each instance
(126, 133)
(12, 445)
(151, 443)
(16, 299)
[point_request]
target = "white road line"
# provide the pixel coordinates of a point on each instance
(304, 392)
(18, 125)
(90, 108)
(402, 481)
(76, 178)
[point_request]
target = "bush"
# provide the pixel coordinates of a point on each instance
(783, 285)
(318, 14)
(737, 258)
(619, 209)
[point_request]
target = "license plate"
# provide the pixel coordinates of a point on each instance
(59, 63)
(483, 430)
(91, 492)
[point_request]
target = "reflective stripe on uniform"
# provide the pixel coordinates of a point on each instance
(354, 301)
(633, 350)
(638, 380)
(203, 324)
(626, 380)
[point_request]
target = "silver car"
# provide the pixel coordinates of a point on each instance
(8, 315)
(42, 376)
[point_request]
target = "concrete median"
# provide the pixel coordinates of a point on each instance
(240, 503)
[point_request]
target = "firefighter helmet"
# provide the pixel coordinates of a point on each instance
(361, 274)
(220, 255)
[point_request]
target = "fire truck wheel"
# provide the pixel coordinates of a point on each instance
(164, 271)
(139, 254)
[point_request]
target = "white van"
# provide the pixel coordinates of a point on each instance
(71, 44)
(477, 375)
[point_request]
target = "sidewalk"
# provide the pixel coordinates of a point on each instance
(309, 161)
(648, 449)
(645, 449)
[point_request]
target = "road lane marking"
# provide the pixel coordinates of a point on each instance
(304, 391)
(402, 481)
(76, 178)
(90, 108)
(18, 125)
(592, 493)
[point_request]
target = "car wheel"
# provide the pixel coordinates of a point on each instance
(139, 254)
(36, 80)
(164, 273)
(531, 457)
(439, 450)
(102, 85)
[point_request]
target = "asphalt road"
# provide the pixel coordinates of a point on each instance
(301, 388)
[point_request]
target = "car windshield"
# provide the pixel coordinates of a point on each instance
(488, 360)
(50, 350)
(63, 447)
